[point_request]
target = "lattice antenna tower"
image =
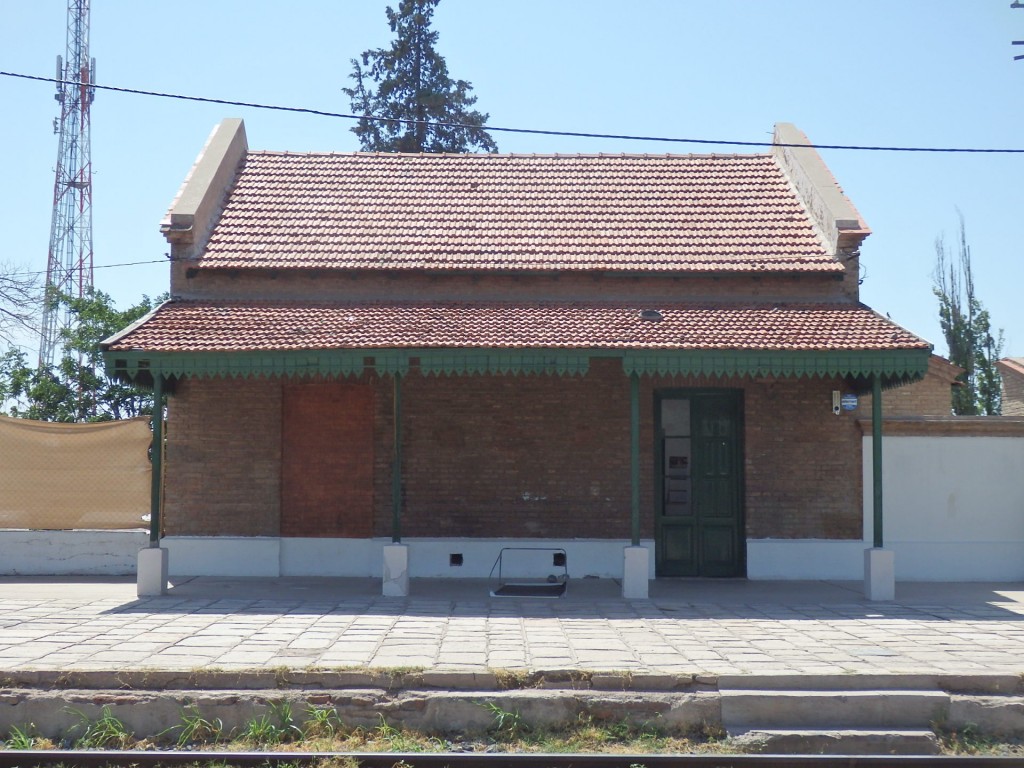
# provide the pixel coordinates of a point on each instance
(69, 266)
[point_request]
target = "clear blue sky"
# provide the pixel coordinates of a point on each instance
(873, 72)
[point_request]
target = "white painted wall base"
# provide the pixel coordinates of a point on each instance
(879, 574)
(223, 556)
(396, 570)
(636, 567)
(805, 559)
(70, 553)
(151, 579)
(330, 557)
(428, 558)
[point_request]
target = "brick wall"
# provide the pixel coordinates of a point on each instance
(327, 459)
(517, 456)
(1013, 391)
(526, 456)
(223, 464)
(931, 396)
(803, 464)
(548, 456)
(328, 286)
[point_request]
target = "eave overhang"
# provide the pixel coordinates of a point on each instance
(894, 366)
(195, 339)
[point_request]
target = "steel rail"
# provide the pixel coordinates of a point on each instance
(150, 759)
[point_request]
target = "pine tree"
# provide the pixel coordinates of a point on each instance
(968, 330)
(409, 84)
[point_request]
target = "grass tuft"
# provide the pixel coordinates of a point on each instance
(105, 732)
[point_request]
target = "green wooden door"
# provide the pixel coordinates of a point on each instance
(699, 530)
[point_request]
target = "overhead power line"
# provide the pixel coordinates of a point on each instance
(503, 129)
(39, 273)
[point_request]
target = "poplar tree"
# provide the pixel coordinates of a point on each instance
(967, 328)
(409, 83)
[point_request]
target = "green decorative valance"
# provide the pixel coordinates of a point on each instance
(143, 366)
(902, 365)
(894, 366)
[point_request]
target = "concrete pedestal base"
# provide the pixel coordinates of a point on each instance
(151, 573)
(635, 568)
(396, 570)
(879, 574)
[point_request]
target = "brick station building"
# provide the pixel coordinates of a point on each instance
(408, 362)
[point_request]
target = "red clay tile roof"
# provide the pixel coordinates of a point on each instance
(186, 326)
(688, 213)
(1013, 365)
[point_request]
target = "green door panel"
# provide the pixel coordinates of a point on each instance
(699, 520)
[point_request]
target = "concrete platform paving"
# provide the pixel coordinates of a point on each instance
(687, 627)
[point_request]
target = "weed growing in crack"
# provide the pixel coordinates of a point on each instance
(105, 732)
(321, 723)
(507, 726)
(196, 729)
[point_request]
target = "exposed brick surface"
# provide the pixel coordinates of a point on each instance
(541, 456)
(516, 456)
(327, 459)
(223, 458)
(803, 464)
(1011, 372)
(931, 396)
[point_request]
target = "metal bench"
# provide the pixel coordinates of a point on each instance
(513, 562)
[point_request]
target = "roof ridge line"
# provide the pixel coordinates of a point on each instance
(515, 155)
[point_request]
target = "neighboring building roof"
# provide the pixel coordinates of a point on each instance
(1011, 365)
(942, 368)
(188, 326)
(681, 213)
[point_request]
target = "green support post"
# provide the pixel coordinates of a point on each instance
(156, 486)
(634, 454)
(396, 464)
(876, 456)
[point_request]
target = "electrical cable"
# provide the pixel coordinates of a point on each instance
(489, 128)
(38, 273)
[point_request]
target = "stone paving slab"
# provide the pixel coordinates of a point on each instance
(692, 628)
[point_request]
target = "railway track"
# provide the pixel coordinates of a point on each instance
(143, 759)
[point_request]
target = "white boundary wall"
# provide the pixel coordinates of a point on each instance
(428, 558)
(953, 506)
(61, 553)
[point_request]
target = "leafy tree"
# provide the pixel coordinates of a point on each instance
(77, 388)
(409, 84)
(968, 330)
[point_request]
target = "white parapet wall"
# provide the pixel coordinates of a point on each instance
(805, 559)
(70, 553)
(953, 506)
(428, 558)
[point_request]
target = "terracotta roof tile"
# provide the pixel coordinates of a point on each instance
(492, 212)
(186, 326)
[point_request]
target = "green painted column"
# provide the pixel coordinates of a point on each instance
(396, 464)
(634, 454)
(156, 486)
(876, 456)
